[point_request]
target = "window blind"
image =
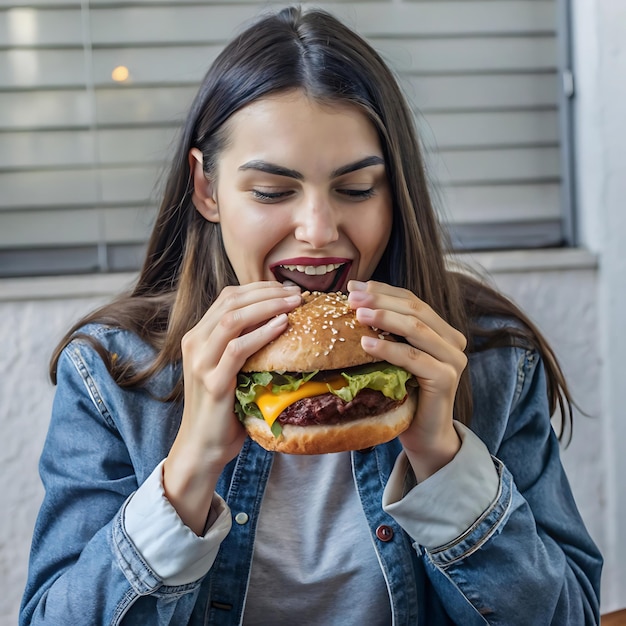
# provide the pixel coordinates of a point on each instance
(82, 156)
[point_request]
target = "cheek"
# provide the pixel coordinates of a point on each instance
(249, 235)
(242, 222)
(373, 230)
(371, 239)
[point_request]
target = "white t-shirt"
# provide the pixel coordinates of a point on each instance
(307, 569)
(295, 538)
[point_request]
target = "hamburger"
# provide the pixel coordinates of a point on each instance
(314, 390)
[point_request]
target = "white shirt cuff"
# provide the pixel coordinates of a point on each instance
(173, 551)
(442, 507)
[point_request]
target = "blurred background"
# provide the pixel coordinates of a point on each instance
(520, 108)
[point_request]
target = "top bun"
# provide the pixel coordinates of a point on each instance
(323, 334)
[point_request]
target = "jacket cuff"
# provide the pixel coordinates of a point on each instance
(444, 506)
(170, 548)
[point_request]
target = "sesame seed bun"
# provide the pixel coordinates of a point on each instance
(322, 334)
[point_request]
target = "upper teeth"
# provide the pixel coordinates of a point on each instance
(313, 270)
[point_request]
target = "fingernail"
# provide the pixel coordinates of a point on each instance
(289, 285)
(279, 320)
(369, 342)
(295, 299)
(364, 315)
(357, 285)
(357, 296)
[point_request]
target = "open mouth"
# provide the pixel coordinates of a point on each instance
(314, 274)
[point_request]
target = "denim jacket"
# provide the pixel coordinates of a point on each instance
(527, 559)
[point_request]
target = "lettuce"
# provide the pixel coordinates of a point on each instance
(250, 385)
(390, 380)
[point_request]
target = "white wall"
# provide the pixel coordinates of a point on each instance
(29, 330)
(558, 291)
(599, 30)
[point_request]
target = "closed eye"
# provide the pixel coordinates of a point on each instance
(269, 196)
(357, 194)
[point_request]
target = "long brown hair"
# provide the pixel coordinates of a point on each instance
(186, 266)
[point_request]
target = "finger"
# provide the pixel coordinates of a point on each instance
(213, 339)
(381, 296)
(243, 316)
(240, 348)
(432, 373)
(235, 298)
(416, 332)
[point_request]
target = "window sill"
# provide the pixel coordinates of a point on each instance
(107, 285)
(64, 287)
(541, 260)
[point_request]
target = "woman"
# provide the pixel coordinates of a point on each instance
(299, 154)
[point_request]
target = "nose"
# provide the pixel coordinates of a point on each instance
(317, 223)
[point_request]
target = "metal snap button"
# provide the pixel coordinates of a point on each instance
(242, 518)
(384, 532)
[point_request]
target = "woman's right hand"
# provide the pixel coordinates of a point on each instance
(241, 321)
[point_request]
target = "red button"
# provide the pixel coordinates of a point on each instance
(384, 532)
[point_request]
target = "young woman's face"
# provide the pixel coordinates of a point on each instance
(301, 193)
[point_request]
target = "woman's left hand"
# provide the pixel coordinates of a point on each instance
(434, 354)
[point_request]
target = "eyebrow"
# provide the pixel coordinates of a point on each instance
(279, 170)
(358, 165)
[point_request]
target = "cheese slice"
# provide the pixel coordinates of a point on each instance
(272, 405)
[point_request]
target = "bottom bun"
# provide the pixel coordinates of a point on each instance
(318, 439)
